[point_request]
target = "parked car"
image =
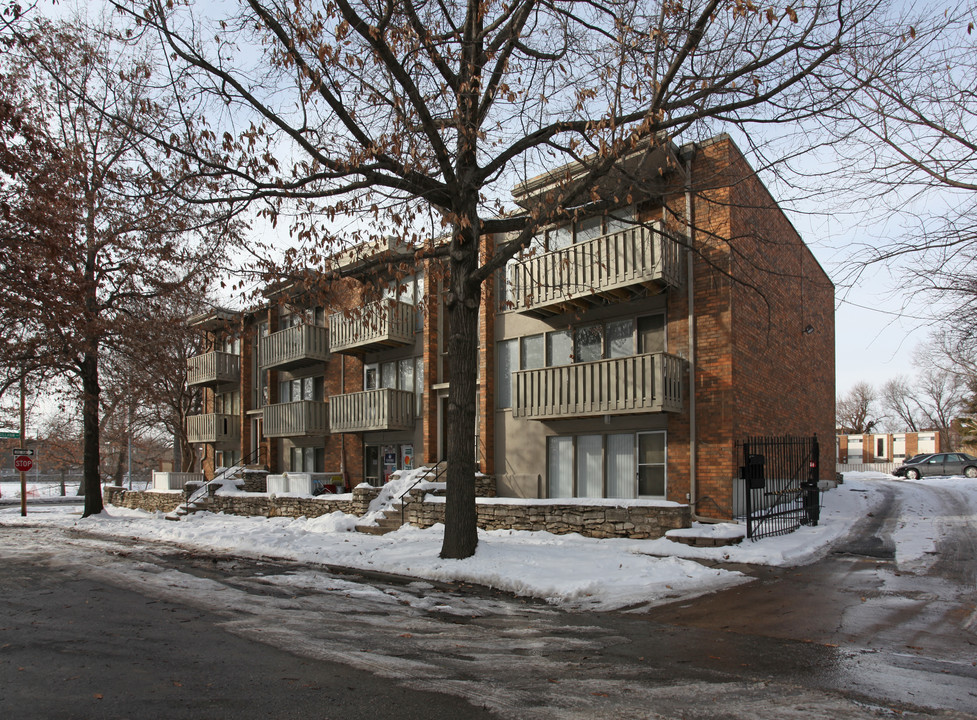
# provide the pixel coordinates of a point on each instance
(938, 464)
(901, 470)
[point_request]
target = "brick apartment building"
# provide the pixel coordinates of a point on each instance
(613, 361)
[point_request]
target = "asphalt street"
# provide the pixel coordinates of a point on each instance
(93, 627)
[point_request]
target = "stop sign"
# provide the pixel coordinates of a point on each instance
(23, 463)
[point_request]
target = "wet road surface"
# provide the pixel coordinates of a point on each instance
(159, 631)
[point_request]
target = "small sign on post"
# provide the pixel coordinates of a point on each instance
(23, 451)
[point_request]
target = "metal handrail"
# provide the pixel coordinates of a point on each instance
(203, 490)
(441, 469)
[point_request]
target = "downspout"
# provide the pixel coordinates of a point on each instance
(690, 281)
(342, 436)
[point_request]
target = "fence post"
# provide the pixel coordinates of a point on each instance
(748, 490)
(812, 504)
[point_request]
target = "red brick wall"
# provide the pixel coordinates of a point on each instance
(756, 288)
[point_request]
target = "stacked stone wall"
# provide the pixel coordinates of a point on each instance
(149, 501)
(636, 522)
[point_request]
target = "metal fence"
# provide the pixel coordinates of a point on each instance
(886, 467)
(777, 490)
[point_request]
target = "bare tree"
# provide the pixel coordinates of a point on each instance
(899, 398)
(856, 412)
(122, 238)
(413, 119)
(907, 143)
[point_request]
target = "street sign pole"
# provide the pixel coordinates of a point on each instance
(23, 443)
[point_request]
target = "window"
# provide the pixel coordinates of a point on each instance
(588, 344)
(559, 348)
(651, 333)
(597, 466)
(620, 219)
(533, 352)
(560, 237)
(620, 338)
(230, 345)
(589, 228)
(307, 388)
(651, 464)
(508, 363)
(227, 403)
(620, 466)
(405, 368)
(560, 467)
(388, 375)
(590, 456)
(370, 377)
(307, 459)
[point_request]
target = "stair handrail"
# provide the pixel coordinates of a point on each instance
(440, 470)
(202, 491)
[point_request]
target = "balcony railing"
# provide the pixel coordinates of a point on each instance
(294, 347)
(380, 324)
(383, 409)
(634, 384)
(214, 368)
(213, 428)
(606, 269)
(305, 418)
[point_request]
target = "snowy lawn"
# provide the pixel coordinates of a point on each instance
(567, 570)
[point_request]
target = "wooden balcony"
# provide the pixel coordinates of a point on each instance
(636, 384)
(213, 428)
(607, 269)
(305, 418)
(382, 324)
(294, 347)
(213, 369)
(383, 409)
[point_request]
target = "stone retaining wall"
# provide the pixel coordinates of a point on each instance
(637, 522)
(597, 521)
(286, 506)
(149, 501)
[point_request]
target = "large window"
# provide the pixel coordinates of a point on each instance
(607, 466)
(307, 459)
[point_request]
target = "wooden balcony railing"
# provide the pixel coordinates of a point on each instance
(294, 347)
(305, 418)
(606, 269)
(213, 428)
(380, 324)
(383, 409)
(634, 384)
(213, 368)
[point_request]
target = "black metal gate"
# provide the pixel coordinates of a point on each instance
(778, 484)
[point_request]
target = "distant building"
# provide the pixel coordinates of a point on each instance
(886, 447)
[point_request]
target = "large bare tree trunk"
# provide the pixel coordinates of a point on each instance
(462, 304)
(90, 391)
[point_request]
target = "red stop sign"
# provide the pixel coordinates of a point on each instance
(23, 463)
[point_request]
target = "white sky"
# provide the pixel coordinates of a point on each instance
(876, 323)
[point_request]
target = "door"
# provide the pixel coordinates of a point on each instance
(371, 464)
(651, 464)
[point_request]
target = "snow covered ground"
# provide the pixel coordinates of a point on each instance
(567, 570)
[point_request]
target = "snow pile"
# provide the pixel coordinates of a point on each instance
(567, 570)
